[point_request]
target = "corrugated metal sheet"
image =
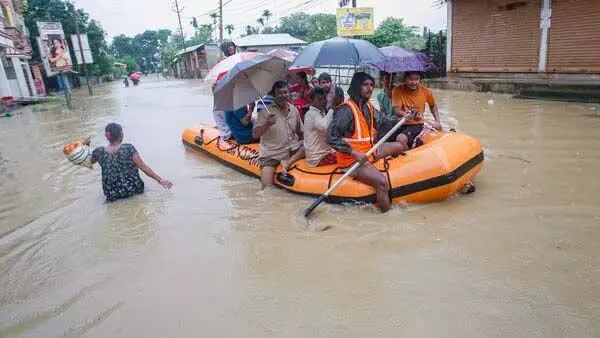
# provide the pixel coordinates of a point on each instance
(574, 45)
(495, 36)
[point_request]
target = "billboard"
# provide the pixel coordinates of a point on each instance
(87, 53)
(355, 21)
(54, 48)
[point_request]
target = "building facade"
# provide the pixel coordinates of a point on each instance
(541, 38)
(264, 43)
(196, 61)
(16, 78)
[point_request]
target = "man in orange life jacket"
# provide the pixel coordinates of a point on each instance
(353, 131)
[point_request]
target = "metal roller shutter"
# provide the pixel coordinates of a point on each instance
(574, 45)
(495, 35)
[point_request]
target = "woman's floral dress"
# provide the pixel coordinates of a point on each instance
(120, 176)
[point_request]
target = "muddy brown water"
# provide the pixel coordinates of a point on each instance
(216, 257)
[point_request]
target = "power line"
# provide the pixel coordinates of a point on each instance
(214, 10)
(178, 11)
(285, 12)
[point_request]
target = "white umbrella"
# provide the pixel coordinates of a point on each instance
(249, 81)
(226, 64)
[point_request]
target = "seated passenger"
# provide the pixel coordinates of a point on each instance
(384, 97)
(280, 129)
(219, 115)
(353, 131)
(240, 125)
(300, 93)
(409, 97)
(331, 89)
(316, 121)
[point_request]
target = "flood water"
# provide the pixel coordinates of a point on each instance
(216, 257)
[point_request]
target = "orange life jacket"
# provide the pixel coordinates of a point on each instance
(363, 138)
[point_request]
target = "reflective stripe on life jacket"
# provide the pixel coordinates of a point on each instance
(364, 134)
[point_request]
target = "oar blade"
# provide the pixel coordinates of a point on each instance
(314, 205)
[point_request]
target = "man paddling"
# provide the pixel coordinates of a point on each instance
(353, 132)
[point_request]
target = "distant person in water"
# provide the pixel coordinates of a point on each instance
(120, 163)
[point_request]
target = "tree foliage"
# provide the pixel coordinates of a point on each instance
(203, 34)
(323, 27)
(296, 25)
(66, 14)
(144, 46)
(229, 28)
(392, 31)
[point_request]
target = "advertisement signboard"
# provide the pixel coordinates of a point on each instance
(87, 53)
(355, 21)
(54, 48)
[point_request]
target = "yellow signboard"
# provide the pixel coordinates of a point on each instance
(355, 21)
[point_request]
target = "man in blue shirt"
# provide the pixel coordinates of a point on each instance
(240, 124)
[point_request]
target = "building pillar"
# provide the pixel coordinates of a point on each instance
(449, 38)
(20, 76)
(31, 80)
(4, 85)
(545, 20)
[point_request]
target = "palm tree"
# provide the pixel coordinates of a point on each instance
(249, 30)
(261, 21)
(229, 28)
(194, 22)
(267, 14)
(214, 17)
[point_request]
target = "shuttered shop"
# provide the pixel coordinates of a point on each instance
(495, 35)
(574, 45)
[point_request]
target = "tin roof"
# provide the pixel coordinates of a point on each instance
(268, 40)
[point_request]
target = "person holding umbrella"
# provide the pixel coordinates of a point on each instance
(353, 131)
(279, 128)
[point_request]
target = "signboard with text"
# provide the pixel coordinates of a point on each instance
(355, 21)
(54, 48)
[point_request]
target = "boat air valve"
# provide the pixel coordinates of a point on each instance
(199, 140)
(286, 179)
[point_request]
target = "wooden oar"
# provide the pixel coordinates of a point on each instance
(352, 168)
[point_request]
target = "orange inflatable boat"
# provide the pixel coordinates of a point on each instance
(446, 163)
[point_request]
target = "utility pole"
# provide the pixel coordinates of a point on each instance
(178, 11)
(220, 22)
(89, 83)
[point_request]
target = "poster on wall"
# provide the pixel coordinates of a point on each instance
(355, 21)
(38, 79)
(54, 48)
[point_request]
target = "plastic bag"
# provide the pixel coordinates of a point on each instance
(79, 154)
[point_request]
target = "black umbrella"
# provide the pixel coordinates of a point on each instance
(338, 51)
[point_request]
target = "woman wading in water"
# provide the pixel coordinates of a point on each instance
(120, 163)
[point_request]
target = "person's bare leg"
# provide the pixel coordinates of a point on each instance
(390, 149)
(267, 176)
(403, 140)
(371, 176)
(287, 163)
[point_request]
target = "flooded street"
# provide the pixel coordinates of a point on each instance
(217, 257)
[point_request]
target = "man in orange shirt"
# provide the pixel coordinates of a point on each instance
(411, 96)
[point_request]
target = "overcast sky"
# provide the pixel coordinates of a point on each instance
(130, 17)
